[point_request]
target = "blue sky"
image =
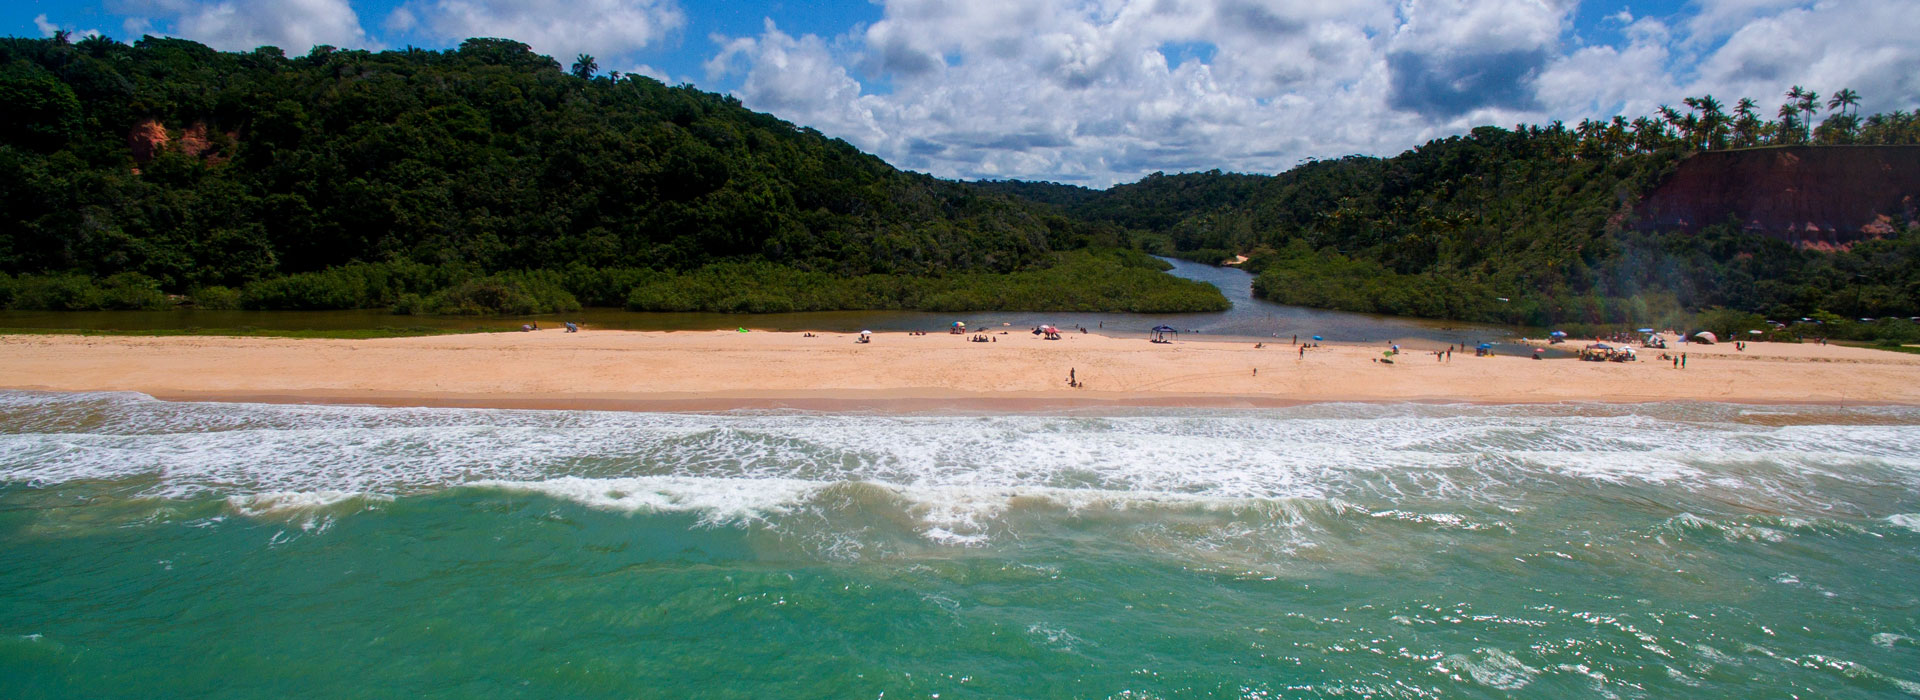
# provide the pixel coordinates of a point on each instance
(1103, 91)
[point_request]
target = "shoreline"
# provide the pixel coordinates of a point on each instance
(698, 371)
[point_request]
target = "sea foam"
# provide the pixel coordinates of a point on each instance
(957, 474)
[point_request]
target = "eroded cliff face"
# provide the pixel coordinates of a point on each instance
(1815, 196)
(149, 137)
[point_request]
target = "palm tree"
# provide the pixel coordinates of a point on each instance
(584, 66)
(1789, 124)
(1845, 98)
(1809, 103)
(1713, 123)
(1746, 124)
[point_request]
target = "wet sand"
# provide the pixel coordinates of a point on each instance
(708, 370)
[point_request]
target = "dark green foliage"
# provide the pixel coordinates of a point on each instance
(512, 293)
(358, 286)
(352, 179)
(126, 291)
(1080, 281)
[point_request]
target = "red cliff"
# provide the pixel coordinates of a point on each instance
(1818, 196)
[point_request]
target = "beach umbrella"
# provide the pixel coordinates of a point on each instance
(959, 324)
(1646, 330)
(1539, 350)
(1755, 332)
(1485, 346)
(1558, 334)
(1707, 336)
(866, 332)
(1318, 338)
(1602, 346)
(1165, 329)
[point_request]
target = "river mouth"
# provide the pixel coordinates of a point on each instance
(1250, 319)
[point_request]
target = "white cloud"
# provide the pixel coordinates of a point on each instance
(1104, 91)
(604, 28)
(238, 25)
(47, 28)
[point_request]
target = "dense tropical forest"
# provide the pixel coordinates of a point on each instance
(486, 179)
(1532, 226)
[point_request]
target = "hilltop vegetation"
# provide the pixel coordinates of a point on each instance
(484, 179)
(1526, 226)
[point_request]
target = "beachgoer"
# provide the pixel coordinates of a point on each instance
(1303, 352)
(1071, 380)
(1683, 360)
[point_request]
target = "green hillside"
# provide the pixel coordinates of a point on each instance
(486, 179)
(1535, 225)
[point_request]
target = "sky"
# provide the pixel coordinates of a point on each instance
(1098, 92)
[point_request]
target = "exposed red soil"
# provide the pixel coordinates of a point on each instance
(1821, 197)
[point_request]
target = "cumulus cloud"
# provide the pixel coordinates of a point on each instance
(238, 25)
(605, 28)
(1104, 91)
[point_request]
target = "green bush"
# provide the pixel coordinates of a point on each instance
(215, 298)
(512, 294)
(56, 293)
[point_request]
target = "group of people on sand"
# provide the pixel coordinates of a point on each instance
(531, 326)
(1073, 380)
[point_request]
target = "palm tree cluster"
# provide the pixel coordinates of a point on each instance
(1706, 126)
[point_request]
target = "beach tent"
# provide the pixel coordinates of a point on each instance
(742, 330)
(1558, 334)
(1162, 330)
(1707, 337)
(1485, 346)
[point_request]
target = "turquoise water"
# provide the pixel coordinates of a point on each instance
(152, 549)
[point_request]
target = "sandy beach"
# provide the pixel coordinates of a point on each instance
(717, 370)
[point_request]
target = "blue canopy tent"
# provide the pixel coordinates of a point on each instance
(1160, 331)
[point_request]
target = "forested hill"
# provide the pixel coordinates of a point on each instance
(1545, 225)
(349, 178)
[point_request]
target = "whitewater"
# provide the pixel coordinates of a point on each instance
(1384, 550)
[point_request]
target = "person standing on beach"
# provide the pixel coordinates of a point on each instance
(1683, 360)
(1070, 378)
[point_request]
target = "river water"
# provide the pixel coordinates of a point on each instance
(1249, 318)
(156, 549)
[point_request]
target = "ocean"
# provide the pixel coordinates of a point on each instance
(156, 549)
